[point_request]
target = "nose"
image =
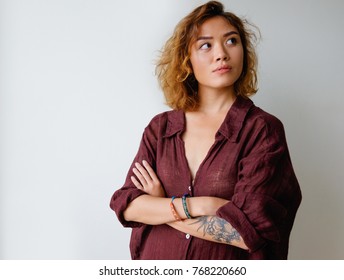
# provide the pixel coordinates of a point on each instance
(221, 53)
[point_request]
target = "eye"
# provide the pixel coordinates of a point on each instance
(205, 46)
(232, 41)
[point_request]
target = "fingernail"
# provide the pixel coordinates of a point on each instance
(144, 162)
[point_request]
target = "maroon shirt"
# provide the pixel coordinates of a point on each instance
(248, 164)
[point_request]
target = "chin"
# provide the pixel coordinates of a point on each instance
(223, 86)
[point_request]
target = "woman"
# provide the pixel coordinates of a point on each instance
(212, 178)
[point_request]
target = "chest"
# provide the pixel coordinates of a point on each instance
(199, 138)
(198, 141)
(208, 168)
(199, 159)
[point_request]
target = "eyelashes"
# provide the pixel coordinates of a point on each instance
(229, 42)
(205, 46)
(233, 41)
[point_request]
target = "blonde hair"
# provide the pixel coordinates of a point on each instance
(174, 70)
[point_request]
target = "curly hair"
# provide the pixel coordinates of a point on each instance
(174, 69)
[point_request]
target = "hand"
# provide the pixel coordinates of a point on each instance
(147, 180)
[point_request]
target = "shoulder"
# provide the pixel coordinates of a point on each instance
(263, 129)
(163, 118)
(261, 133)
(246, 119)
(166, 123)
(259, 119)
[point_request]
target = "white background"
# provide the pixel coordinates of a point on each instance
(77, 88)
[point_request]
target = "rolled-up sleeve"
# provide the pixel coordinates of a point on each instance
(266, 195)
(128, 192)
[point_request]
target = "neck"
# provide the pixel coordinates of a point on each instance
(214, 101)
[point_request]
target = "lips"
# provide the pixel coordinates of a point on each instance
(223, 69)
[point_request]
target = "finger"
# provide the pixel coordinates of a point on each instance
(136, 183)
(150, 170)
(143, 171)
(139, 176)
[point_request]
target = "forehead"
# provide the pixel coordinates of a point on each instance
(215, 25)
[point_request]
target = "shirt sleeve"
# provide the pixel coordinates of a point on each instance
(266, 194)
(147, 151)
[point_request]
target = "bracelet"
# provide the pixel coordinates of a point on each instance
(185, 206)
(173, 210)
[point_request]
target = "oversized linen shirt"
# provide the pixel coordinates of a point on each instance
(248, 164)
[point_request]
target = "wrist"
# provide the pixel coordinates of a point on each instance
(197, 206)
(205, 205)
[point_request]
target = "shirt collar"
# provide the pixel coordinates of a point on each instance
(235, 118)
(230, 127)
(175, 123)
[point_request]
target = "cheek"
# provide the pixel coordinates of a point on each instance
(198, 64)
(239, 55)
(242, 57)
(238, 59)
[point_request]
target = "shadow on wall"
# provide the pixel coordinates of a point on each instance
(314, 146)
(1, 223)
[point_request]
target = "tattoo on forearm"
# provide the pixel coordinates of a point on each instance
(218, 228)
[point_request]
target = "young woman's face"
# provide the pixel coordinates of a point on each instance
(217, 54)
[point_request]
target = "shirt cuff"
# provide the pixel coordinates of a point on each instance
(232, 214)
(120, 202)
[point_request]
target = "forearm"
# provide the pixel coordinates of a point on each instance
(153, 210)
(149, 210)
(211, 228)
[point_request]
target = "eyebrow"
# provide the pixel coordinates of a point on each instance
(210, 37)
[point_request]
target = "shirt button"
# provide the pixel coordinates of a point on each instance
(189, 188)
(187, 236)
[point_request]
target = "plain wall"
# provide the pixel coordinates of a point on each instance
(77, 88)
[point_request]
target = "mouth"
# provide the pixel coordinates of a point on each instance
(223, 69)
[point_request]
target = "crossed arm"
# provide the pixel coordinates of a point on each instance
(205, 224)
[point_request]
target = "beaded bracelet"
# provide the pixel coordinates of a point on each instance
(173, 210)
(185, 206)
